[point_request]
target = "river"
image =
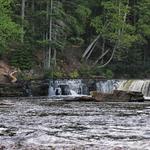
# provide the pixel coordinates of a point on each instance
(43, 124)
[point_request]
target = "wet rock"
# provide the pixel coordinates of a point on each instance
(128, 96)
(7, 131)
(39, 87)
(6, 102)
(84, 98)
(89, 85)
(118, 96)
(24, 88)
(79, 98)
(11, 90)
(102, 97)
(136, 96)
(64, 90)
(2, 147)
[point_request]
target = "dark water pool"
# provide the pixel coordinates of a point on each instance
(42, 124)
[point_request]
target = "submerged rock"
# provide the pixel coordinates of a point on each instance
(118, 96)
(4, 131)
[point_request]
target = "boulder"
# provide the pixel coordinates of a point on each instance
(102, 97)
(118, 96)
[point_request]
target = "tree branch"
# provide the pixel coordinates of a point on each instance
(90, 46)
(100, 57)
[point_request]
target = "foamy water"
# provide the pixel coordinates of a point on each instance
(51, 124)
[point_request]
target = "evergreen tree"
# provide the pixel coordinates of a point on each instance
(9, 30)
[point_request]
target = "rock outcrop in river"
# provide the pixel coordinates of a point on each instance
(106, 90)
(118, 96)
(24, 89)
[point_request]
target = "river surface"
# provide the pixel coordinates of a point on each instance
(42, 124)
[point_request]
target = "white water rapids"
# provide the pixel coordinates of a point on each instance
(43, 124)
(78, 87)
(107, 86)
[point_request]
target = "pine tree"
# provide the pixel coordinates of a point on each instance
(9, 30)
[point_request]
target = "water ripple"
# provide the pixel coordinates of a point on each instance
(48, 125)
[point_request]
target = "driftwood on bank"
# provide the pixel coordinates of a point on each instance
(7, 73)
(11, 76)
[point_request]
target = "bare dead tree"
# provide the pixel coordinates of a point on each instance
(91, 47)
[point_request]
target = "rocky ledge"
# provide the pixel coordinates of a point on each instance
(118, 96)
(38, 88)
(24, 88)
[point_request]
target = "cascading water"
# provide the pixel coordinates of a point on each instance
(66, 87)
(136, 85)
(78, 87)
(51, 90)
(107, 86)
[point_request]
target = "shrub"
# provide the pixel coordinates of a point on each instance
(74, 74)
(109, 73)
(53, 74)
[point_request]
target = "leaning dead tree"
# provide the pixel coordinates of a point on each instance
(104, 50)
(91, 48)
(12, 76)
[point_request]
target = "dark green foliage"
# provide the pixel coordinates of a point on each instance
(123, 24)
(9, 30)
(22, 57)
(54, 74)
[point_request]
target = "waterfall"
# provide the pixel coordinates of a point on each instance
(79, 87)
(107, 86)
(136, 85)
(66, 87)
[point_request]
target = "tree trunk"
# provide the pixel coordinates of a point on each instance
(46, 37)
(112, 55)
(92, 49)
(103, 50)
(90, 46)
(50, 35)
(33, 9)
(22, 19)
(100, 57)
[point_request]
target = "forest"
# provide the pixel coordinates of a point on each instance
(78, 38)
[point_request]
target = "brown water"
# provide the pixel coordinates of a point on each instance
(42, 124)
